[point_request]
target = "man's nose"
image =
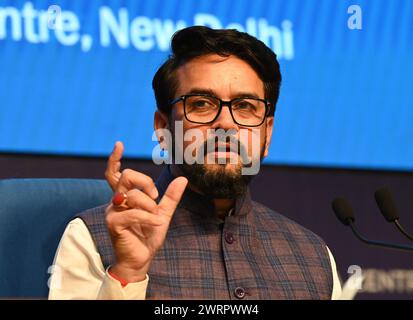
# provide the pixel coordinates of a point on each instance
(224, 120)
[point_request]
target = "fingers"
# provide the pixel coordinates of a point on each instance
(172, 196)
(112, 172)
(138, 200)
(128, 179)
(131, 179)
(120, 220)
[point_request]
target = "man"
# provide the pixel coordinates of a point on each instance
(196, 233)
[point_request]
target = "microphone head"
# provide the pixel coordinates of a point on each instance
(343, 210)
(386, 204)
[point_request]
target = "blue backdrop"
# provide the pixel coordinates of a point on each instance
(77, 87)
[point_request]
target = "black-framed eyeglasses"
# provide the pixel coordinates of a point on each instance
(205, 108)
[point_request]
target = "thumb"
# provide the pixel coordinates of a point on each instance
(172, 196)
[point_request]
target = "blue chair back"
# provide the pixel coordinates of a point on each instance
(33, 216)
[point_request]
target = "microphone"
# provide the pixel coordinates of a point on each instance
(387, 206)
(344, 213)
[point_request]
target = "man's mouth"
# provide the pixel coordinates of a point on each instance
(225, 150)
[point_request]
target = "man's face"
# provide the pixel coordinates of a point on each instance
(225, 78)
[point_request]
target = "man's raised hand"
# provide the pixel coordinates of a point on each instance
(139, 230)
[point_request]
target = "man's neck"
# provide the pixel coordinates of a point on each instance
(222, 206)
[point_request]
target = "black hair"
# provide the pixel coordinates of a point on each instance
(196, 41)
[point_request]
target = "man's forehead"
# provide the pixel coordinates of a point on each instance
(212, 58)
(216, 73)
(211, 61)
(237, 93)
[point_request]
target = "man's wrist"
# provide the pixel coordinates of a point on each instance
(127, 275)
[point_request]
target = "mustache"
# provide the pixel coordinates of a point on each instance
(229, 144)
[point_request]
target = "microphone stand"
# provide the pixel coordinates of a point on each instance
(377, 243)
(402, 230)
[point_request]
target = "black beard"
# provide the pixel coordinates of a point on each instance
(219, 184)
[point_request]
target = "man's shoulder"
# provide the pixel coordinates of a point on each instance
(94, 219)
(93, 215)
(275, 222)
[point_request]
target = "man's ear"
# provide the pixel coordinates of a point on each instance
(268, 134)
(161, 120)
(161, 124)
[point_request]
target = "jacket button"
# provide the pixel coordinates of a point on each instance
(239, 293)
(229, 237)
